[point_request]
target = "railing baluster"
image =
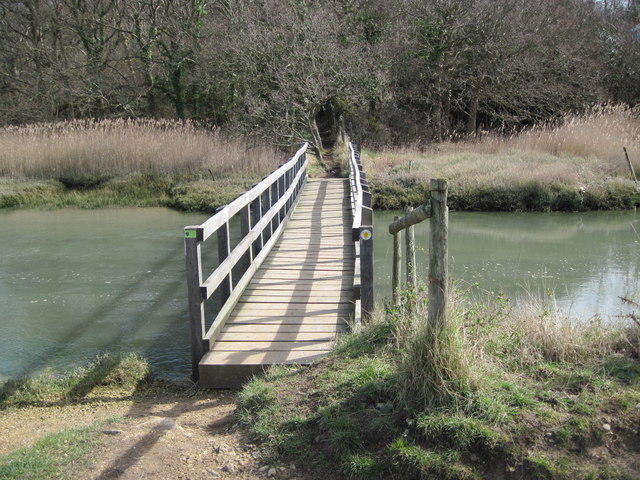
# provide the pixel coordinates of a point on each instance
(245, 228)
(274, 199)
(266, 205)
(224, 242)
(256, 215)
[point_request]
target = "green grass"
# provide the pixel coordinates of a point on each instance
(123, 372)
(51, 456)
(135, 190)
(508, 403)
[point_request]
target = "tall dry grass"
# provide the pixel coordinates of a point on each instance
(575, 150)
(83, 148)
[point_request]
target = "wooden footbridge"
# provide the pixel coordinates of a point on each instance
(291, 266)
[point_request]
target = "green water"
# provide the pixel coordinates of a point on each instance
(75, 283)
(588, 260)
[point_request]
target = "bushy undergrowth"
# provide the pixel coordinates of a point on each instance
(126, 372)
(575, 165)
(499, 393)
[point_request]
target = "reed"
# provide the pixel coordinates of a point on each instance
(577, 163)
(114, 148)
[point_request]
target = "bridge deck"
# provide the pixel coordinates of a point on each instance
(300, 297)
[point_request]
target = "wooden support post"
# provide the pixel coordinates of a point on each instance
(412, 278)
(366, 263)
(275, 196)
(266, 205)
(438, 261)
(193, 237)
(224, 244)
(245, 228)
(256, 215)
(397, 267)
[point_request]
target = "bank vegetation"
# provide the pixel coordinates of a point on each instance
(575, 163)
(90, 164)
(500, 392)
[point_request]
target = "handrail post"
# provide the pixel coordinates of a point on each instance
(266, 206)
(224, 242)
(256, 215)
(366, 252)
(192, 240)
(366, 265)
(245, 228)
(438, 260)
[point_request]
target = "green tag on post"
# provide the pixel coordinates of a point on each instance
(190, 234)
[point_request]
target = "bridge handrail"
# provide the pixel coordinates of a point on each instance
(362, 234)
(263, 212)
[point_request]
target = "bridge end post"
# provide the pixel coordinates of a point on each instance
(366, 263)
(192, 238)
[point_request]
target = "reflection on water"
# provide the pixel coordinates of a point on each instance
(75, 283)
(587, 259)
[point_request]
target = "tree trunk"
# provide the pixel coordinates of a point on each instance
(178, 91)
(317, 140)
(473, 117)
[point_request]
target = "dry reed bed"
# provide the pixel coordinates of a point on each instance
(579, 152)
(113, 148)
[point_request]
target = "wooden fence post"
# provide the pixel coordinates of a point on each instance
(192, 238)
(397, 266)
(412, 278)
(438, 261)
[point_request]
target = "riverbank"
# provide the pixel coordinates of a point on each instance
(183, 193)
(111, 419)
(116, 163)
(500, 393)
(503, 392)
(576, 165)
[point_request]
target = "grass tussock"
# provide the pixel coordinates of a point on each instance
(432, 368)
(110, 163)
(575, 164)
(124, 373)
(498, 393)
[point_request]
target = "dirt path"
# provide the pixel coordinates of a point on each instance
(161, 438)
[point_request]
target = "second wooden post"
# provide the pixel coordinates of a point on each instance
(438, 254)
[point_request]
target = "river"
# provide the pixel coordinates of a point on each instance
(76, 283)
(586, 260)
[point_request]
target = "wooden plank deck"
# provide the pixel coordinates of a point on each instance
(300, 297)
